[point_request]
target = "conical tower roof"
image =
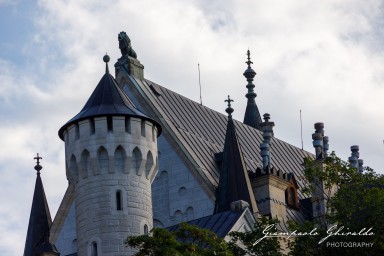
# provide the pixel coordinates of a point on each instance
(234, 183)
(40, 219)
(108, 99)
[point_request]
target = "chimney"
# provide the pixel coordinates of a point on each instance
(267, 129)
(325, 145)
(361, 168)
(354, 158)
(318, 140)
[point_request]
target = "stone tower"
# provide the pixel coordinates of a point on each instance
(111, 158)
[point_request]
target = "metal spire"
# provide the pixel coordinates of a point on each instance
(234, 184)
(252, 115)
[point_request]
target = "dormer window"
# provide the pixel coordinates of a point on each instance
(291, 196)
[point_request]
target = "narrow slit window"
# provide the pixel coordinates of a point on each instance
(143, 128)
(119, 205)
(146, 229)
(109, 123)
(127, 125)
(77, 132)
(92, 126)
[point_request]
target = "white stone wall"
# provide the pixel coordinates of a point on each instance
(176, 194)
(101, 163)
(66, 242)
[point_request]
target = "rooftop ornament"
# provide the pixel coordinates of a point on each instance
(229, 109)
(38, 167)
(125, 45)
(106, 59)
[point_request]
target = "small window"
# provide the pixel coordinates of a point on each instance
(291, 197)
(109, 123)
(77, 132)
(153, 133)
(146, 229)
(119, 205)
(94, 249)
(92, 126)
(127, 125)
(143, 128)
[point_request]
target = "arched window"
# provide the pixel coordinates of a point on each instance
(136, 158)
(146, 229)
(119, 160)
(73, 168)
(148, 164)
(85, 159)
(103, 160)
(119, 201)
(94, 249)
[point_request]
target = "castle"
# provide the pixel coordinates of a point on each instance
(140, 156)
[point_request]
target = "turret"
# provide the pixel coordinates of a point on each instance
(111, 158)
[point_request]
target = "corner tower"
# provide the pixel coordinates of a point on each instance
(111, 158)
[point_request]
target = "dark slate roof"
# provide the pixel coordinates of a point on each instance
(201, 131)
(107, 99)
(234, 184)
(220, 223)
(39, 220)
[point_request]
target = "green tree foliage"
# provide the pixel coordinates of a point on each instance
(252, 242)
(358, 205)
(188, 240)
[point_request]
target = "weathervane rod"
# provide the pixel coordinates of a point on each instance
(301, 131)
(201, 99)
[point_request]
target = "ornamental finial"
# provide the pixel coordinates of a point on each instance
(249, 62)
(229, 109)
(106, 60)
(38, 166)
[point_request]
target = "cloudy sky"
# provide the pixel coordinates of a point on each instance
(325, 58)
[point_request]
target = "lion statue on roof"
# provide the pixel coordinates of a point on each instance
(125, 45)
